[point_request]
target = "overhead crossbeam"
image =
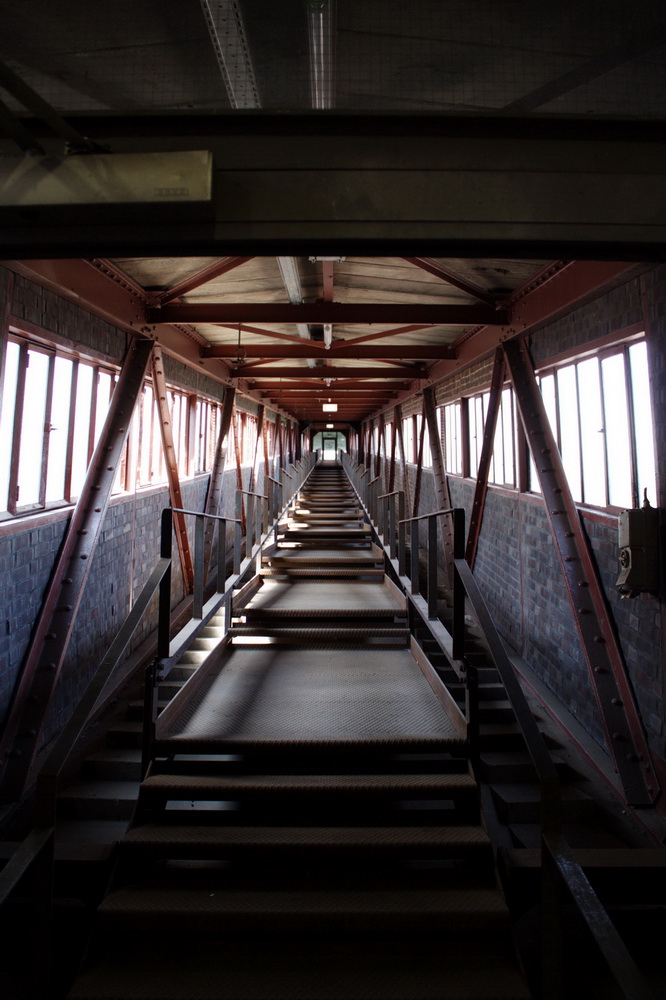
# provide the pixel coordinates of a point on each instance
(328, 312)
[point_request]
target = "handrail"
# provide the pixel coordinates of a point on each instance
(433, 513)
(39, 843)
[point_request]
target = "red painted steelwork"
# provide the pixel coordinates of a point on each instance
(417, 371)
(607, 671)
(173, 479)
(481, 488)
(446, 274)
(315, 349)
(200, 278)
(326, 312)
(55, 623)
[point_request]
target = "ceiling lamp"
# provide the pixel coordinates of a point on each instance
(329, 427)
(329, 407)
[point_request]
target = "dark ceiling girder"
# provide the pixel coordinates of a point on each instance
(464, 186)
(318, 385)
(333, 373)
(314, 349)
(327, 312)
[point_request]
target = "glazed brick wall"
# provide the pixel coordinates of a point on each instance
(129, 541)
(517, 565)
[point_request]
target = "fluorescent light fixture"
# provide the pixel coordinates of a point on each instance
(329, 407)
(329, 427)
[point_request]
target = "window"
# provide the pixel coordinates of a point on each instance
(600, 413)
(53, 411)
(453, 442)
(502, 470)
(408, 438)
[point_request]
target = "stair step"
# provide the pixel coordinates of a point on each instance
(99, 799)
(330, 787)
(365, 970)
(521, 803)
(369, 843)
(113, 765)
(125, 734)
(343, 912)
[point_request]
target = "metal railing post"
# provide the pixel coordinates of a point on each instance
(198, 594)
(401, 533)
(432, 566)
(458, 624)
(164, 606)
(414, 573)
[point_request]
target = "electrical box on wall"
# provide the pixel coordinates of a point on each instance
(638, 540)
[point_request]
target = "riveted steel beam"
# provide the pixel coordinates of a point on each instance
(202, 277)
(300, 372)
(481, 488)
(54, 626)
(327, 312)
(443, 498)
(171, 465)
(214, 494)
(605, 663)
(312, 349)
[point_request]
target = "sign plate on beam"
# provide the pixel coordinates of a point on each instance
(154, 184)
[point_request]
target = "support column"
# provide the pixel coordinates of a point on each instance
(606, 667)
(439, 475)
(173, 479)
(214, 495)
(397, 418)
(54, 626)
(481, 488)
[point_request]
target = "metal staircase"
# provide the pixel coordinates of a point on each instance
(309, 825)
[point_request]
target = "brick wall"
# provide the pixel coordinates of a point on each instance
(130, 536)
(517, 566)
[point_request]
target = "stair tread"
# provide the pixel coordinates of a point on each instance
(318, 837)
(96, 789)
(368, 970)
(530, 792)
(324, 784)
(460, 902)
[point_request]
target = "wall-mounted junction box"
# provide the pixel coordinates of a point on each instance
(638, 541)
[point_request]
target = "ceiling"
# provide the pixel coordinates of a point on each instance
(360, 331)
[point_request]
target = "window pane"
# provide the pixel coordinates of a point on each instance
(616, 422)
(7, 419)
(452, 436)
(81, 427)
(32, 428)
(59, 429)
(102, 403)
(569, 430)
(592, 433)
(643, 423)
(508, 435)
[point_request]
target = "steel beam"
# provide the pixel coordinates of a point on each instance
(202, 277)
(173, 479)
(54, 625)
(557, 290)
(397, 419)
(214, 494)
(481, 488)
(327, 312)
(478, 186)
(419, 464)
(443, 498)
(450, 276)
(313, 349)
(284, 371)
(593, 620)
